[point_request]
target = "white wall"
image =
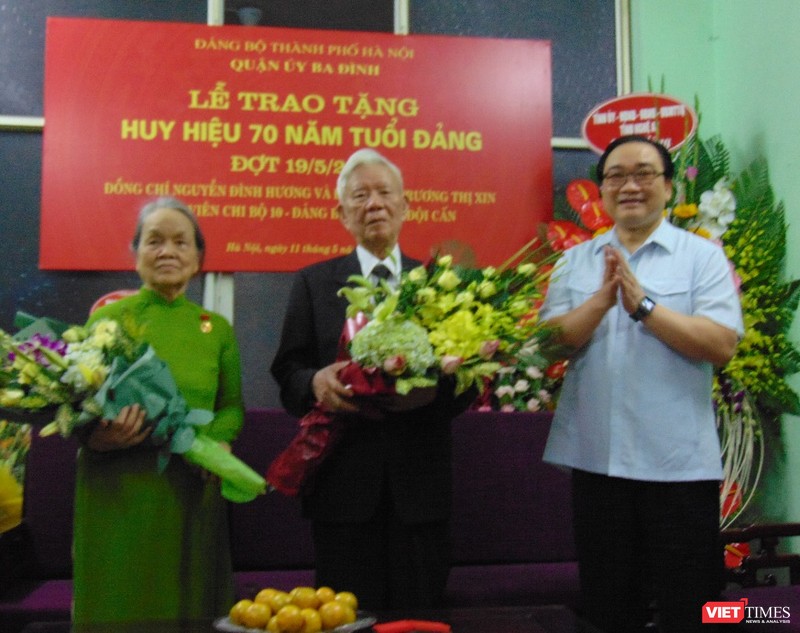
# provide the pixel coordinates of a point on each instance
(740, 58)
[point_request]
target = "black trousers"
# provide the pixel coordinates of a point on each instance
(387, 563)
(641, 543)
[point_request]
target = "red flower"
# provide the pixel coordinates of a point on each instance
(732, 501)
(593, 215)
(735, 553)
(563, 235)
(557, 370)
(581, 191)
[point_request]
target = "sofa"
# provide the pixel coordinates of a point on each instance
(511, 521)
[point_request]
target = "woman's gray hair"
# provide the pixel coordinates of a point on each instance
(179, 206)
(364, 157)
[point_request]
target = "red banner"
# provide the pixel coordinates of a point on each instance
(250, 127)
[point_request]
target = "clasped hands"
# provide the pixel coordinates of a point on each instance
(619, 281)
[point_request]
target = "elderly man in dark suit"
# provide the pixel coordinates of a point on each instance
(380, 503)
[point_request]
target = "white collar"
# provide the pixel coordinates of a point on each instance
(368, 261)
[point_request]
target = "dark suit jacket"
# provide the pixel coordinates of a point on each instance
(409, 452)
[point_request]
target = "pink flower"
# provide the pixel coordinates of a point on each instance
(488, 349)
(395, 365)
(451, 363)
(691, 173)
(507, 408)
(533, 405)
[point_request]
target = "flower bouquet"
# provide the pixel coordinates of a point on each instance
(443, 322)
(64, 378)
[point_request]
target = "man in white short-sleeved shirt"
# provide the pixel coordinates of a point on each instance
(648, 310)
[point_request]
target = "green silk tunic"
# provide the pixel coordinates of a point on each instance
(150, 546)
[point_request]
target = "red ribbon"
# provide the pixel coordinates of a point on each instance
(405, 626)
(292, 472)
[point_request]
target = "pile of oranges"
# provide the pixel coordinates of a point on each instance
(301, 610)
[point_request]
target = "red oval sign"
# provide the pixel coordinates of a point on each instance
(659, 117)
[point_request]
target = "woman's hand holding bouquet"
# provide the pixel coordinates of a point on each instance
(66, 378)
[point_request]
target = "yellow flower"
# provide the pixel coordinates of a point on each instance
(106, 333)
(94, 377)
(486, 289)
(702, 232)
(526, 269)
(465, 298)
(10, 500)
(449, 280)
(519, 307)
(685, 211)
(28, 370)
(74, 334)
(425, 295)
(11, 397)
(418, 274)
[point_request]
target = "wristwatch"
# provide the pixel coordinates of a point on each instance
(644, 308)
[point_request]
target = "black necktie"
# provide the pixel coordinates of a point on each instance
(381, 272)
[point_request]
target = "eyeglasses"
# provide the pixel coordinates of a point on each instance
(642, 177)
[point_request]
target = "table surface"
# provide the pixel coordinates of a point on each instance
(534, 619)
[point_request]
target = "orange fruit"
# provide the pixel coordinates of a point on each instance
(277, 599)
(332, 614)
(313, 621)
(325, 594)
(348, 614)
(304, 597)
(256, 615)
(348, 597)
(235, 614)
(290, 619)
(265, 595)
(273, 626)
